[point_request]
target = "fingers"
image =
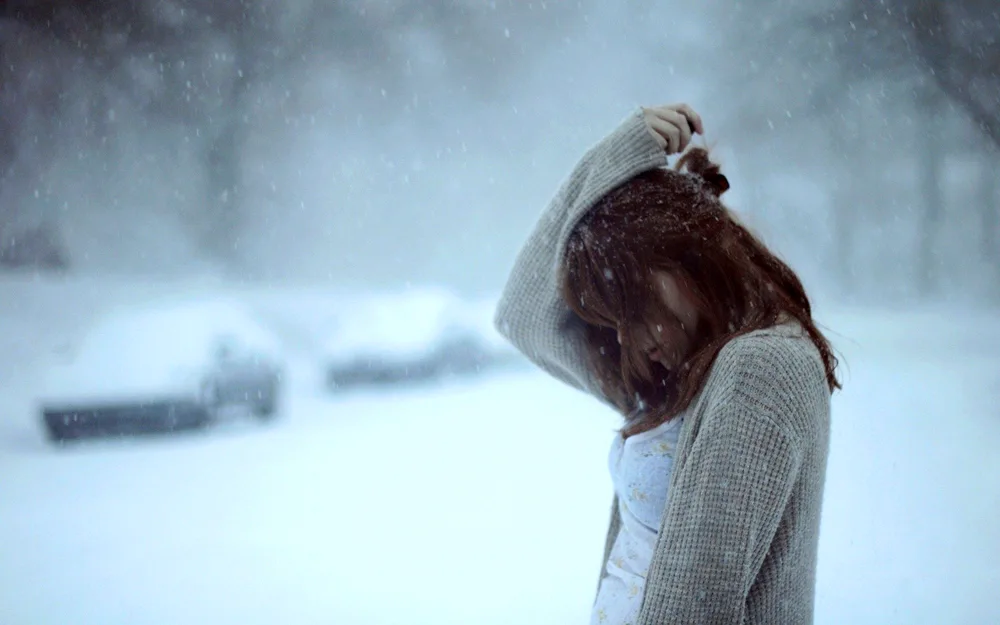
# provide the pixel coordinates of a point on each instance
(668, 132)
(693, 118)
(680, 122)
(652, 124)
(673, 126)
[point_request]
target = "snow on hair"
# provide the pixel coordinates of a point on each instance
(696, 161)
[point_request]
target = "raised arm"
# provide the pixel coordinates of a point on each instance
(531, 313)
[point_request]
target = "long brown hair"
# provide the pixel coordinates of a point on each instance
(673, 221)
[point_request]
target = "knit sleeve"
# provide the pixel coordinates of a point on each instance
(730, 495)
(531, 313)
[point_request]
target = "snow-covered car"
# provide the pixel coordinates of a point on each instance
(163, 367)
(417, 336)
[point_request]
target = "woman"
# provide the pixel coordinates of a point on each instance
(638, 286)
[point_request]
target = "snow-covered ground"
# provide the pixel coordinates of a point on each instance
(482, 501)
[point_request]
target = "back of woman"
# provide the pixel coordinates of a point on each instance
(639, 287)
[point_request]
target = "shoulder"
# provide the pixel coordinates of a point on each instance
(778, 372)
(781, 353)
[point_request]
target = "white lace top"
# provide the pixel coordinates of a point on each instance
(640, 472)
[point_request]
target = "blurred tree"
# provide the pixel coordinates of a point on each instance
(932, 137)
(946, 48)
(31, 103)
(954, 44)
(989, 199)
(885, 79)
(210, 69)
(958, 44)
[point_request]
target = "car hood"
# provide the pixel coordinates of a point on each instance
(158, 350)
(78, 383)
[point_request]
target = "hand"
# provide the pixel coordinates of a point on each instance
(672, 126)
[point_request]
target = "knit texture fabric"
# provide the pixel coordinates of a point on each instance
(738, 539)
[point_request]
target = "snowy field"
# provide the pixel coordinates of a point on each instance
(477, 502)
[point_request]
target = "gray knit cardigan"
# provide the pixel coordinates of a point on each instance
(739, 536)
